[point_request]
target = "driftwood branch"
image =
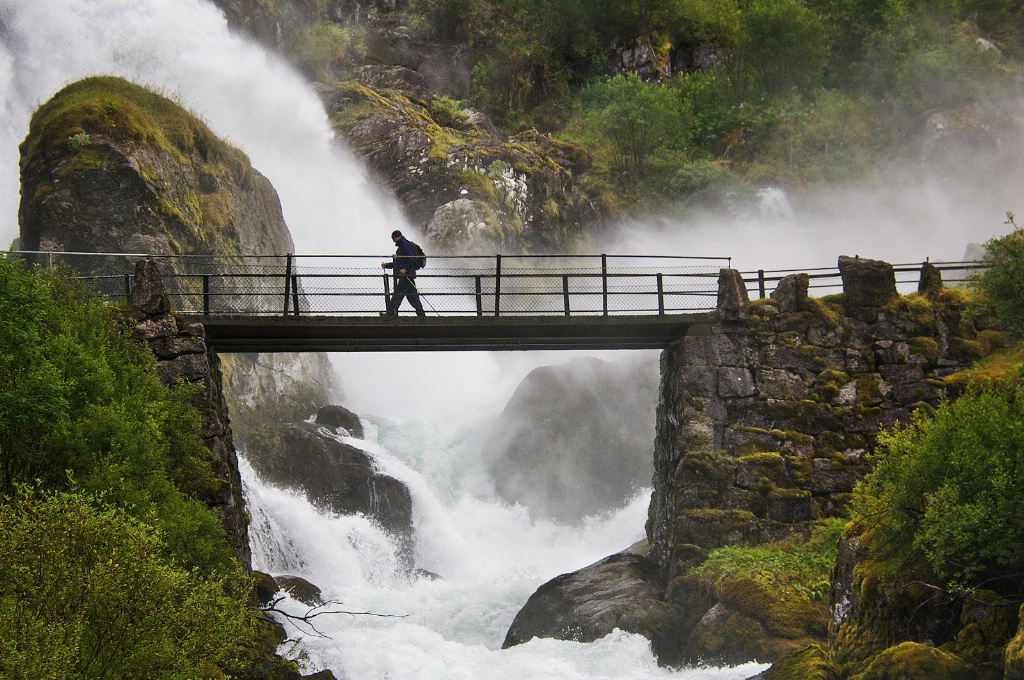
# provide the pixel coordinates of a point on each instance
(319, 610)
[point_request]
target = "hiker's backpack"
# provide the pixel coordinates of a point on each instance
(421, 257)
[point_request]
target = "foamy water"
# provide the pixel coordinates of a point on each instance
(490, 558)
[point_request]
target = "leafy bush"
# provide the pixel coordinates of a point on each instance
(951, 487)
(322, 49)
(81, 407)
(637, 118)
(1002, 280)
(88, 594)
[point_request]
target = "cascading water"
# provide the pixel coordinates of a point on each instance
(490, 557)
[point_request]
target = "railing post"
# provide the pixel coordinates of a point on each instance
(661, 295)
(295, 293)
(497, 284)
(287, 282)
(128, 286)
(565, 292)
(604, 282)
(479, 296)
(206, 295)
(760, 282)
(387, 290)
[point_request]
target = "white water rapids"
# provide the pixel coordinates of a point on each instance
(490, 557)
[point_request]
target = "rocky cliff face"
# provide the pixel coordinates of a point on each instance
(459, 180)
(180, 349)
(390, 90)
(576, 439)
(108, 166)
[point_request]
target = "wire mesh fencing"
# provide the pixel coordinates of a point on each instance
(499, 285)
(828, 281)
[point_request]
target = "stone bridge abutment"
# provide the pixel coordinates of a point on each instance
(767, 416)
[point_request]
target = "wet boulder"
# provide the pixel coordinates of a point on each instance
(622, 591)
(335, 477)
(577, 438)
(340, 418)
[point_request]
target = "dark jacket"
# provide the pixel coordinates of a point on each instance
(405, 258)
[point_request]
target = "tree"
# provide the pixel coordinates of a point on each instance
(638, 119)
(81, 408)
(88, 595)
(1002, 278)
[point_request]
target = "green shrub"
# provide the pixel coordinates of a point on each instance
(81, 407)
(322, 49)
(793, 567)
(88, 594)
(637, 118)
(1002, 279)
(951, 487)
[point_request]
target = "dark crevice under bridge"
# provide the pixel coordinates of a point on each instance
(294, 303)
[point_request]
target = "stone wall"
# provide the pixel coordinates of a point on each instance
(766, 417)
(180, 349)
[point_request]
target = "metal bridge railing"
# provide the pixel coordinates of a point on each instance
(500, 285)
(827, 281)
(497, 285)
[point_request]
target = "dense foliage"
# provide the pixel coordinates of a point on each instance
(81, 408)
(1003, 278)
(112, 566)
(88, 594)
(793, 90)
(950, 487)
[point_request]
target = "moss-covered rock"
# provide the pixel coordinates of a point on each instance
(109, 166)
(525, 191)
(810, 663)
(915, 661)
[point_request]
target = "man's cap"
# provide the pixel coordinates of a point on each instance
(396, 234)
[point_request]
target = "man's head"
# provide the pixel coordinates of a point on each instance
(396, 235)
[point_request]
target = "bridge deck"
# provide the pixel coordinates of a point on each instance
(411, 333)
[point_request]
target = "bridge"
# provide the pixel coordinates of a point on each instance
(298, 303)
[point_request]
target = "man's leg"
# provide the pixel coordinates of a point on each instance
(414, 296)
(396, 297)
(402, 291)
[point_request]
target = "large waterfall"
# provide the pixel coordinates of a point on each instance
(489, 557)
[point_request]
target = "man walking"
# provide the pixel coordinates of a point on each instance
(404, 265)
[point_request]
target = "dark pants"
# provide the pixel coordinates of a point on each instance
(405, 287)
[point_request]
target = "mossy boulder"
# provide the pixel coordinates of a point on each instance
(109, 166)
(446, 164)
(810, 663)
(915, 661)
